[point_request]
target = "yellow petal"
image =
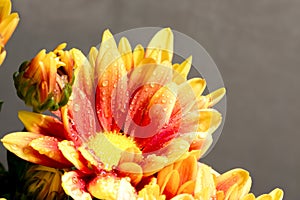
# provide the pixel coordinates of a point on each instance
(209, 121)
(216, 96)
(188, 93)
(277, 194)
(5, 8)
(264, 197)
(93, 56)
(108, 53)
(2, 55)
(205, 184)
(151, 192)
(162, 40)
(249, 197)
(138, 54)
(8, 26)
(126, 53)
(182, 70)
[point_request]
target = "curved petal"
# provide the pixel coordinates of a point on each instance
(74, 185)
(42, 124)
(48, 146)
(69, 151)
(209, 121)
(234, 178)
(18, 143)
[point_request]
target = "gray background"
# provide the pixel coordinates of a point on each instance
(256, 45)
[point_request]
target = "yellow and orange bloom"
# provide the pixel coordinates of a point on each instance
(8, 24)
(133, 128)
(45, 83)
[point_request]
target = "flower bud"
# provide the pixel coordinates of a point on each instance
(45, 82)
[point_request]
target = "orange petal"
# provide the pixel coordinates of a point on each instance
(69, 151)
(163, 173)
(43, 124)
(171, 184)
(188, 169)
(48, 146)
(74, 185)
(188, 188)
(227, 180)
(18, 143)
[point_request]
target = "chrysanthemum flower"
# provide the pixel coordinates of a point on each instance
(8, 24)
(45, 83)
(145, 115)
(133, 128)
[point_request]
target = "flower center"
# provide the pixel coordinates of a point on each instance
(109, 146)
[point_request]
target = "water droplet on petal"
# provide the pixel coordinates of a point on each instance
(105, 83)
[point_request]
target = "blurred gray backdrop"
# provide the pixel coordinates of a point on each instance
(255, 44)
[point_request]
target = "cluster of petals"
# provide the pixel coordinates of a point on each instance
(133, 128)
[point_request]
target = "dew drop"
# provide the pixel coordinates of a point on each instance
(163, 101)
(105, 83)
